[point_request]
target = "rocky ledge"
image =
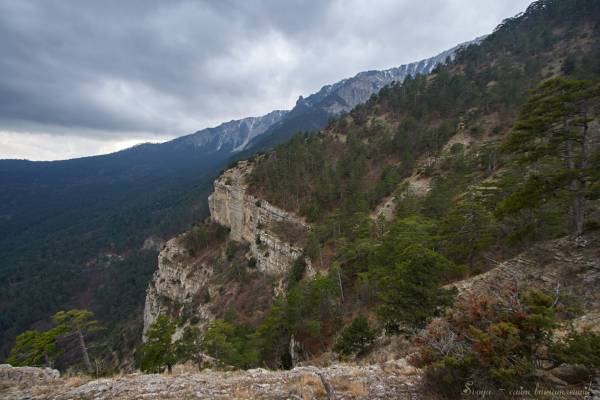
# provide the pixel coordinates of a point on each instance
(275, 236)
(395, 379)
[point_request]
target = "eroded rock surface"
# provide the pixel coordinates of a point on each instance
(382, 381)
(275, 235)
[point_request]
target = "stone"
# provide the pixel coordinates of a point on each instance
(252, 220)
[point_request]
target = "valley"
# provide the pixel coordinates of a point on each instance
(400, 233)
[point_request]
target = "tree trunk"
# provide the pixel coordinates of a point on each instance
(328, 388)
(293, 354)
(579, 213)
(339, 275)
(84, 352)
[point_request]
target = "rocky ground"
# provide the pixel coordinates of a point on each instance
(391, 380)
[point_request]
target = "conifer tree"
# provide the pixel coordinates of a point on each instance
(159, 351)
(554, 139)
(77, 323)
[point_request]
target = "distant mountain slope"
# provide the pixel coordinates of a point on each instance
(231, 136)
(73, 232)
(313, 112)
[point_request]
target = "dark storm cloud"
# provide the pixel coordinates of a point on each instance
(137, 70)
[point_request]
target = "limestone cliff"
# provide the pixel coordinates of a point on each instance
(275, 236)
(178, 281)
(195, 288)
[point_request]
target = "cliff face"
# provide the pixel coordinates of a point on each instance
(275, 236)
(197, 288)
(179, 283)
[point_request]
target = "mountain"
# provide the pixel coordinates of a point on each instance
(451, 222)
(346, 242)
(231, 137)
(85, 232)
(313, 112)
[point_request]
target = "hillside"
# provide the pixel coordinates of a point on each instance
(313, 112)
(86, 232)
(369, 226)
(450, 223)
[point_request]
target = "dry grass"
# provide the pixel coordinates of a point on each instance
(308, 386)
(43, 390)
(355, 388)
(243, 391)
(185, 369)
(78, 380)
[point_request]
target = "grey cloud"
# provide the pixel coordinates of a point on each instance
(167, 68)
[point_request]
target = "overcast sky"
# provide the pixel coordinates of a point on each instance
(82, 77)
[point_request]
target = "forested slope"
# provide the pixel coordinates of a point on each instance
(474, 160)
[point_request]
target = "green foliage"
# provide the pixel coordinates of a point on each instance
(552, 140)
(464, 230)
(56, 344)
(203, 235)
(189, 346)
(35, 349)
(307, 307)
(159, 351)
(581, 348)
(297, 272)
(75, 320)
(230, 344)
(411, 289)
(355, 339)
(499, 340)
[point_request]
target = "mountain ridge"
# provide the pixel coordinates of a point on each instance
(58, 215)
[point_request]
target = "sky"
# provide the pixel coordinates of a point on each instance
(86, 77)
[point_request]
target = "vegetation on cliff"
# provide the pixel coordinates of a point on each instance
(525, 170)
(495, 151)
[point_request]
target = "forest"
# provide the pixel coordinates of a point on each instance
(527, 103)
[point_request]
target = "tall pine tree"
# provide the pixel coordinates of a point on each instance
(556, 139)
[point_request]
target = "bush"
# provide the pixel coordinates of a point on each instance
(201, 236)
(231, 249)
(500, 341)
(411, 289)
(355, 339)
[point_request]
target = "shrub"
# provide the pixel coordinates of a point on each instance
(355, 339)
(231, 249)
(500, 341)
(411, 290)
(201, 236)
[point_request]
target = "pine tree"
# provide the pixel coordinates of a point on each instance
(411, 289)
(77, 323)
(356, 338)
(554, 140)
(35, 348)
(159, 351)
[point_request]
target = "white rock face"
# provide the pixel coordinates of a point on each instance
(10, 375)
(184, 285)
(253, 220)
(178, 282)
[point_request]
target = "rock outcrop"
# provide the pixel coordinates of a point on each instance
(197, 288)
(391, 380)
(569, 266)
(179, 282)
(15, 376)
(275, 236)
